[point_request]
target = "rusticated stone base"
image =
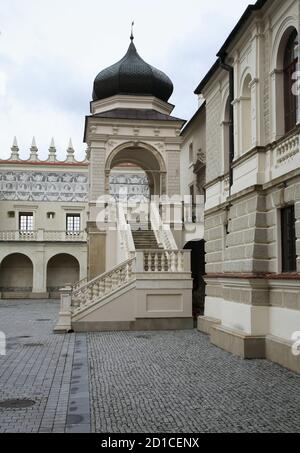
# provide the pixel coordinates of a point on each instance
(138, 325)
(205, 324)
(280, 351)
(250, 347)
(239, 344)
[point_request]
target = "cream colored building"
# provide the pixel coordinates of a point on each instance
(43, 242)
(243, 141)
(252, 211)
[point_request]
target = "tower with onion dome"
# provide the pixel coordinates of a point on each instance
(130, 125)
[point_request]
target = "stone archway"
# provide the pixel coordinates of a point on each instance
(62, 269)
(16, 273)
(143, 156)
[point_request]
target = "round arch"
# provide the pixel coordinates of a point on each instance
(16, 273)
(62, 269)
(225, 132)
(286, 28)
(144, 156)
(282, 91)
(246, 114)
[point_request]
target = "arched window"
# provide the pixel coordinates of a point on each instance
(289, 69)
(246, 126)
(226, 137)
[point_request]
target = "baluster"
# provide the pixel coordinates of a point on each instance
(90, 293)
(173, 262)
(123, 275)
(95, 291)
(146, 261)
(163, 262)
(112, 281)
(108, 284)
(156, 262)
(180, 261)
(128, 271)
(102, 287)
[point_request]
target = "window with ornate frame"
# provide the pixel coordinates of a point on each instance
(289, 69)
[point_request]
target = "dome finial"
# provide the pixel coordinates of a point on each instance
(131, 36)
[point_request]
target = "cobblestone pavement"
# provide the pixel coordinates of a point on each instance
(134, 382)
(177, 382)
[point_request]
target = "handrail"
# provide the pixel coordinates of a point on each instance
(125, 233)
(103, 286)
(162, 232)
(42, 235)
(79, 284)
(105, 274)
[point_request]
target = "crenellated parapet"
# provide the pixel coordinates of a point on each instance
(52, 155)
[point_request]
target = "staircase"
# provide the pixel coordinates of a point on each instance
(136, 290)
(144, 240)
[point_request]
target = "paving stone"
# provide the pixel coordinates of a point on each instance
(152, 382)
(177, 382)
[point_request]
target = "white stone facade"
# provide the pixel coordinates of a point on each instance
(45, 255)
(252, 303)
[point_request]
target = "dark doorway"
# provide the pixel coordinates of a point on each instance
(198, 271)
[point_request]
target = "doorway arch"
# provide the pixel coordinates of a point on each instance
(16, 273)
(62, 269)
(143, 156)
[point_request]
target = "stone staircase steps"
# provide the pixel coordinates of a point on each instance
(144, 240)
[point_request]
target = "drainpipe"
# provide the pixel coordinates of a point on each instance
(230, 70)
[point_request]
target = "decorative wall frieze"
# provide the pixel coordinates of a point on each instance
(43, 186)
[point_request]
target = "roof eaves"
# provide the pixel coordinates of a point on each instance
(207, 77)
(191, 121)
(247, 14)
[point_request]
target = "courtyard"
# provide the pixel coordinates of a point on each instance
(133, 382)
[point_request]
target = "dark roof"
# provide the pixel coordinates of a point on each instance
(208, 76)
(132, 75)
(247, 14)
(191, 121)
(136, 114)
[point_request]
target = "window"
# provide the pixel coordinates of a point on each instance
(246, 125)
(191, 153)
(288, 240)
(73, 223)
(290, 67)
(25, 221)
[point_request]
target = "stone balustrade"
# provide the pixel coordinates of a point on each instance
(42, 236)
(162, 231)
(102, 286)
(163, 261)
(285, 155)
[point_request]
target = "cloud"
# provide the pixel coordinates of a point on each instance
(50, 53)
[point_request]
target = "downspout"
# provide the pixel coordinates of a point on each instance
(230, 70)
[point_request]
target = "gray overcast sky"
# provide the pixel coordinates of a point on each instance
(51, 51)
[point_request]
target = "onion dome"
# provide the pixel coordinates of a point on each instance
(132, 76)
